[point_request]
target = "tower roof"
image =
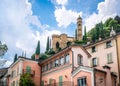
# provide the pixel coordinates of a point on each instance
(79, 17)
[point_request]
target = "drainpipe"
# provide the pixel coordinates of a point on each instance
(94, 77)
(40, 72)
(72, 61)
(108, 75)
(72, 68)
(118, 59)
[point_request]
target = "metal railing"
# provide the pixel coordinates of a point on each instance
(31, 72)
(65, 83)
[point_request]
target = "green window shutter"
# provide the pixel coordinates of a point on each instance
(91, 63)
(60, 80)
(28, 69)
(42, 83)
(97, 61)
(50, 81)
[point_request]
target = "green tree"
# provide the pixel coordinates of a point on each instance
(33, 56)
(48, 45)
(113, 23)
(38, 48)
(102, 32)
(117, 18)
(76, 34)
(97, 28)
(107, 22)
(25, 80)
(15, 57)
(93, 35)
(3, 50)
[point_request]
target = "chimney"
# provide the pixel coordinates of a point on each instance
(108, 75)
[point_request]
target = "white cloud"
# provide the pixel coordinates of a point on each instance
(8, 63)
(65, 17)
(62, 2)
(15, 28)
(106, 9)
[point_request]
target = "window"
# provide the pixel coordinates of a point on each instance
(109, 58)
(108, 44)
(93, 49)
(50, 65)
(50, 81)
(82, 82)
(42, 68)
(13, 74)
(17, 84)
(17, 70)
(80, 60)
(61, 60)
(42, 83)
(13, 83)
(94, 62)
(56, 63)
(67, 58)
(60, 80)
(28, 69)
(46, 67)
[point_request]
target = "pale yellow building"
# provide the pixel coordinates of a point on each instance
(61, 41)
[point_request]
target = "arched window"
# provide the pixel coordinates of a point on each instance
(69, 43)
(80, 59)
(57, 45)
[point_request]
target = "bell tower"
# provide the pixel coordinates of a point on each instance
(79, 28)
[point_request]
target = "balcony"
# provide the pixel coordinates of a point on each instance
(65, 83)
(31, 72)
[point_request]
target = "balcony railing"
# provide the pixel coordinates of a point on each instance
(65, 83)
(31, 72)
(3, 83)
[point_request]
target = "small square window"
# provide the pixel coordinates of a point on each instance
(82, 81)
(108, 44)
(94, 62)
(80, 60)
(62, 60)
(93, 49)
(109, 58)
(50, 65)
(56, 63)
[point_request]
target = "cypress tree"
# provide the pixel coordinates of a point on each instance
(50, 44)
(93, 35)
(47, 46)
(38, 48)
(76, 34)
(15, 57)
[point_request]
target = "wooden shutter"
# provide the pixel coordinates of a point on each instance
(97, 59)
(91, 63)
(28, 69)
(42, 83)
(50, 81)
(60, 80)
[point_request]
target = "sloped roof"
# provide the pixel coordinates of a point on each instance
(65, 49)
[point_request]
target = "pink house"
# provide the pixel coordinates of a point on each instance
(70, 67)
(21, 66)
(104, 52)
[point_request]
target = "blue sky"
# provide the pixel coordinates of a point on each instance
(24, 22)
